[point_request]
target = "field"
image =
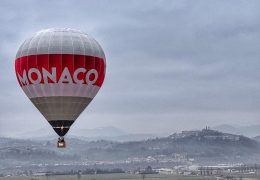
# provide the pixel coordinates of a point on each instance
(119, 177)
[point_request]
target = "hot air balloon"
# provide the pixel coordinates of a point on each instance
(60, 70)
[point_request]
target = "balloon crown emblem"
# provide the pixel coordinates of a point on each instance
(60, 70)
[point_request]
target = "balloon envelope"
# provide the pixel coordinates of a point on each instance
(61, 71)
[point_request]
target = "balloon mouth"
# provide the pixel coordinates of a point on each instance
(61, 127)
(61, 143)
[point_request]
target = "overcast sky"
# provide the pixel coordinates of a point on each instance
(171, 65)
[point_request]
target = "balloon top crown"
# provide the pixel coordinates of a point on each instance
(61, 41)
(68, 30)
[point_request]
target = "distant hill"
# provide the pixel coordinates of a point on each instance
(109, 133)
(115, 134)
(204, 147)
(257, 138)
(249, 131)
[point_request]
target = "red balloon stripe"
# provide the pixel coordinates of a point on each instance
(61, 61)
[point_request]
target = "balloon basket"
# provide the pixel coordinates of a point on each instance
(61, 143)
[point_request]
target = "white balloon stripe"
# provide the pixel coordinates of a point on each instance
(54, 89)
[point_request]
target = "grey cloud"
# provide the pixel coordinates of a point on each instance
(171, 61)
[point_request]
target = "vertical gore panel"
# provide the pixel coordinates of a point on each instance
(98, 65)
(67, 61)
(55, 60)
(42, 62)
(17, 65)
(18, 69)
(79, 62)
(32, 63)
(89, 62)
(100, 69)
(23, 64)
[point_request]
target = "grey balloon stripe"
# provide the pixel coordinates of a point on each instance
(61, 107)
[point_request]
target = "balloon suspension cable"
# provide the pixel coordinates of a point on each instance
(61, 142)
